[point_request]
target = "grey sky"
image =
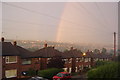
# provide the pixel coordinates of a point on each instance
(88, 22)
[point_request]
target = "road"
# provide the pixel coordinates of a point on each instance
(79, 77)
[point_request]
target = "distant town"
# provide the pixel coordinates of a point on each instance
(33, 45)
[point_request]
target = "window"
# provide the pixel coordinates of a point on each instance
(26, 61)
(48, 60)
(86, 59)
(107, 59)
(76, 69)
(89, 66)
(101, 59)
(80, 59)
(11, 59)
(80, 67)
(70, 69)
(83, 59)
(66, 60)
(11, 73)
(96, 59)
(70, 60)
(77, 59)
(89, 59)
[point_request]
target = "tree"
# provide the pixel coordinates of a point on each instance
(56, 62)
(111, 52)
(96, 51)
(104, 50)
(65, 50)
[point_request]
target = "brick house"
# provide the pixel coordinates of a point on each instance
(45, 54)
(70, 58)
(15, 60)
(76, 61)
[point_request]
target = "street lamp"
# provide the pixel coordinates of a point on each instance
(84, 54)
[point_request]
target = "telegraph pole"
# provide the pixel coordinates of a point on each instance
(114, 44)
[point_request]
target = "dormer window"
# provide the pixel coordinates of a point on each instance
(11, 59)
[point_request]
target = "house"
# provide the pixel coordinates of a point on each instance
(76, 61)
(45, 54)
(15, 60)
(70, 57)
(10, 60)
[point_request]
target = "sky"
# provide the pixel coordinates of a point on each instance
(78, 22)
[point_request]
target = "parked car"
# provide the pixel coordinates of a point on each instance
(62, 76)
(37, 78)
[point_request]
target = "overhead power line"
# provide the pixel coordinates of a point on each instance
(92, 15)
(27, 22)
(96, 18)
(53, 17)
(97, 6)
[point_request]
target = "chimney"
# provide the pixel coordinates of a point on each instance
(14, 43)
(53, 47)
(88, 51)
(45, 45)
(2, 39)
(71, 48)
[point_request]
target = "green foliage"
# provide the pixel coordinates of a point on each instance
(100, 63)
(96, 51)
(105, 71)
(49, 73)
(65, 50)
(104, 50)
(31, 72)
(75, 73)
(33, 49)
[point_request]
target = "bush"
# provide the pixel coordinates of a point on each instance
(101, 63)
(75, 73)
(105, 71)
(31, 72)
(49, 73)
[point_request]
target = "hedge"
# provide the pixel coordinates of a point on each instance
(106, 71)
(31, 72)
(49, 73)
(101, 63)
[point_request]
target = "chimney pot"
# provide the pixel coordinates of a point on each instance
(53, 47)
(14, 43)
(71, 48)
(45, 45)
(88, 50)
(2, 39)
